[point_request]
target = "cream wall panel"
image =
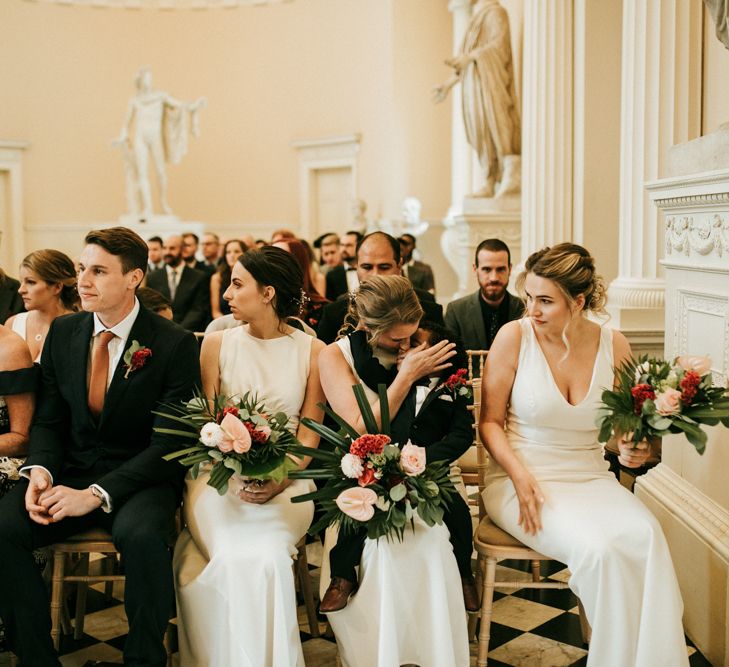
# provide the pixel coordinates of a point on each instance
(716, 75)
(272, 75)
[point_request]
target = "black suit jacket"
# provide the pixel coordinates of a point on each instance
(336, 280)
(332, 316)
(443, 425)
(10, 301)
(121, 452)
(191, 305)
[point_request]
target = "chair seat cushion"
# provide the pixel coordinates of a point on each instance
(489, 533)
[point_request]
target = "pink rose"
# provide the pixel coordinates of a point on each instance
(698, 364)
(357, 503)
(668, 402)
(412, 459)
(236, 435)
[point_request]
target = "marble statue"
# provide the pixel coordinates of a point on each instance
(359, 219)
(490, 113)
(408, 223)
(160, 130)
(719, 10)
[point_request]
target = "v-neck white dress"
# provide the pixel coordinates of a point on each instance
(613, 546)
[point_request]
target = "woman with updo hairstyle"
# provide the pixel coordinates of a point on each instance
(220, 280)
(548, 483)
(382, 326)
(232, 563)
(48, 290)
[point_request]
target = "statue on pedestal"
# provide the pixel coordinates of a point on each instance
(490, 113)
(160, 129)
(719, 10)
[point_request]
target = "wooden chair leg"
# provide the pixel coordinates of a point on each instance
(584, 625)
(59, 563)
(474, 616)
(487, 604)
(536, 571)
(302, 567)
(109, 567)
(82, 589)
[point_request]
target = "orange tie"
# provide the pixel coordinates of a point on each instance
(99, 372)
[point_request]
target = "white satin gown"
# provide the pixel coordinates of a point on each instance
(409, 606)
(614, 547)
(233, 562)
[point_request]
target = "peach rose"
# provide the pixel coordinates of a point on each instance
(668, 402)
(412, 459)
(698, 364)
(236, 435)
(358, 503)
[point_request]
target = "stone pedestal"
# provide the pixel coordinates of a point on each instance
(689, 493)
(158, 225)
(479, 219)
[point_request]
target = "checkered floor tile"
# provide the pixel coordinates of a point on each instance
(531, 628)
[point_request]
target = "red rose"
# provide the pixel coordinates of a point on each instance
(139, 358)
(258, 437)
(367, 477)
(689, 386)
(641, 393)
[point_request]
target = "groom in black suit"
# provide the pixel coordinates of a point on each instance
(95, 460)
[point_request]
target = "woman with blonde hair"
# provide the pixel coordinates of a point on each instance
(548, 483)
(384, 619)
(48, 290)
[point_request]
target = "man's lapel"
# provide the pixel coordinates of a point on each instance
(143, 332)
(476, 319)
(78, 353)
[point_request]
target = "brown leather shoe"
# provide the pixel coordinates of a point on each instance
(470, 593)
(337, 595)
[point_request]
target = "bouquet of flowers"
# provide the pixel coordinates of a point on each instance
(236, 436)
(457, 384)
(371, 481)
(654, 398)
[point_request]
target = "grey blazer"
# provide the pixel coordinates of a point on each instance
(464, 318)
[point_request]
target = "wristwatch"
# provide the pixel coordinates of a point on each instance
(96, 491)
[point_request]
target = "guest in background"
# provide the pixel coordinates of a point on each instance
(155, 254)
(343, 278)
(187, 289)
(378, 254)
(419, 273)
(190, 244)
(232, 250)
(477, 317)
(48, 290)
(316, 277)
(282, 235)
(10, 301)
(259, 243)
(153, 300)
(329, 254)
(210, 245)
(310, 311)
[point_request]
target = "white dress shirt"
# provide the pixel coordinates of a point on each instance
(422, 391)
(352, 278)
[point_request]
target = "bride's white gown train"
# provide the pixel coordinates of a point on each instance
(613, 546)
(233, 574)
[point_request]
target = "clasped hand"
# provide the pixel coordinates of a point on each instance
(46, 503)
(632, 454)
(258, 494)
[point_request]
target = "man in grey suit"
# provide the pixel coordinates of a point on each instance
(476, 318)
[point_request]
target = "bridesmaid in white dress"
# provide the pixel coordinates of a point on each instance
(549, 484)
(233, 562)
(48, 289)
(408, 608)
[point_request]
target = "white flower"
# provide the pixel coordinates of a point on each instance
(352, 466)
(211, 435)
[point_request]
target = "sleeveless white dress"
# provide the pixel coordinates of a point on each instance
(613, 546)
(233, 562)
(409, 606)
(20, 327)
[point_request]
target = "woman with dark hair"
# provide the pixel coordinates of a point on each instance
(220, 280)
(548, 483)
(235, 586)
(314, 301)
(48, 290)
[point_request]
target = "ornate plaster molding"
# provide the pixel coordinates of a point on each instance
(637, 293)
(702, 234)
(161, 4)
(693, 201)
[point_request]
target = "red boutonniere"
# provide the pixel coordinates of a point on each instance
(135, 357)
(457, 384)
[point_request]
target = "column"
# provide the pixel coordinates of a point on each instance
(547, 124)
(660, 91)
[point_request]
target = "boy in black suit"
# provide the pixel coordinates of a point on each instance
(95, 460)
(434, 417)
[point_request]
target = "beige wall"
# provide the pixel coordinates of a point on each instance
(716, 76)
(272, 75)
